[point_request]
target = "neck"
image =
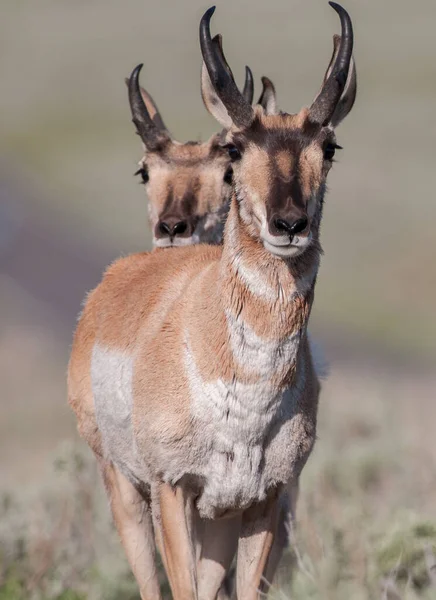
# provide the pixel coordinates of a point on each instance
(267, 300)
(253, 277)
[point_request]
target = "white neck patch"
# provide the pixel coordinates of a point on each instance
(261, 357)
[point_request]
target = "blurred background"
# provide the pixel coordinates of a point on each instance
(69, 205)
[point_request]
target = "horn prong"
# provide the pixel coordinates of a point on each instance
(239, 110)
(248, 91)
(325, 103)
(152, 137)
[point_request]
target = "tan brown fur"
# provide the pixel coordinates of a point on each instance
(191, 373)
(186, 182)
(79, 378)
(284, 164)
(255, 174)
(193, 302)
(311, 166)
(283, 121)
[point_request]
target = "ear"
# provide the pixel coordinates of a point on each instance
(336, 44)
(348, 97)
(248, 90)
(152, 108)
(211, 99)
(268, 97)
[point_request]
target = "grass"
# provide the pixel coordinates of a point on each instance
(367, 512)
(353, 539)
(60, 545)
(366, 519)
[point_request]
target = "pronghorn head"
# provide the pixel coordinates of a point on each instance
(281, 161)
(189, 184)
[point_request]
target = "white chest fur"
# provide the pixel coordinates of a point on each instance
(236, 418)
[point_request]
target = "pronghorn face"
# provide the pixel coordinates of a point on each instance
(189, 187)
(281, 161)
(280, 165)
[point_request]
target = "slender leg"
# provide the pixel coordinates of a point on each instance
(259, 524)
(287, 508)
(158, 536)
(134, 524)
(218, 547)
(175, 535)
(199, 533)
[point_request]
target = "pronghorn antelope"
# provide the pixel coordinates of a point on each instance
(191, 373)
(188, 184)
(268, 101)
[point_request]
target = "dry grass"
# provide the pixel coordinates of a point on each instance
(366, 516)
(367, 512)
(60, 543)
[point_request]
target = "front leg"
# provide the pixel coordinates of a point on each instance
(286, 519)
(173, 518)
(219, 540)
(259, 523)
(132, 517)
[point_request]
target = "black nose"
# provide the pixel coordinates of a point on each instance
(172, 230)
(291, 228)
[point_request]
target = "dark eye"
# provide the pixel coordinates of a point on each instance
(329, 151)
(228, 175)
(144, 174)
(233, 152)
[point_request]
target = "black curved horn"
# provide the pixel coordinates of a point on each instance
(248, 91)
(240, 111)
(157, 119)
(325, 103)
(217, 41)
(153, 137)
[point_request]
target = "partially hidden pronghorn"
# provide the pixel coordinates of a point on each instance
(188, 184)
(191, 373)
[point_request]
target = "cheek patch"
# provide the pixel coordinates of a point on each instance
(157, 188)
(257, 208)
(211, 192)
(310, 167)
(255, 171)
